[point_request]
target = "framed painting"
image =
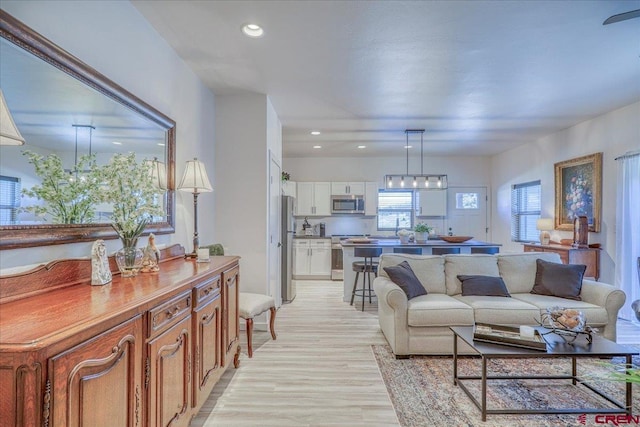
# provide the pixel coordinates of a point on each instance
(579, 191)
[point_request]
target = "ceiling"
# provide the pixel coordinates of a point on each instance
(480, 77)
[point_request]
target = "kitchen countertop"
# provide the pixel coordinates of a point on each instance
(390, 243)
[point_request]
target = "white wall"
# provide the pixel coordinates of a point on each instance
(613, 134)
(247, 128)
(112, 37)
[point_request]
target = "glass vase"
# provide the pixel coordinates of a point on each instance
(129, 258)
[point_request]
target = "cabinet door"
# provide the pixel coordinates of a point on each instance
(371, 199)
(300, 257)
(230, 289)
(356, 188)
(207, 328)
(99, 382)
(431, 203)
(289, 188)
(322, 198)
(339, 188)
(168, 376)
(320, 259)
(304, 200)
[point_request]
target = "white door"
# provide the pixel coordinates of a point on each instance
(300, 257)
(320, 260)
(275, 253)
(322, 198)
(467, 212)
(305, 198)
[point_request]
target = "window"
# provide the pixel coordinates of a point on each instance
(9, 199)
(525, 211)
(467, 201)
(395, 210)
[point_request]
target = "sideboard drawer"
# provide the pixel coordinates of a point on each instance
(169, 313)
(207, 289)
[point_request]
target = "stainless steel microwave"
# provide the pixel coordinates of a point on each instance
(347, 205)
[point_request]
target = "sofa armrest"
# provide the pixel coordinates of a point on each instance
(607, 296)
(392, 314)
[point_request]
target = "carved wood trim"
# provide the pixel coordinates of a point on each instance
(46, 407)
(28, 389)
(60, 274)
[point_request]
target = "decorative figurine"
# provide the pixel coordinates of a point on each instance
(151, 256)
(100, 272)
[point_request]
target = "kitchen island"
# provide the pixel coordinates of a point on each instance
(387, 246)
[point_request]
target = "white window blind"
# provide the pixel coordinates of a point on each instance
(525, 211)
(9, 199)
(395, 210)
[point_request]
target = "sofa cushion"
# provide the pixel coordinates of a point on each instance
(438, 310)
(403, 276)
(594, 314)
(429, 269)
(483, 285)
(518, 270)
(501, 311)
(558, 280)
(477, 264)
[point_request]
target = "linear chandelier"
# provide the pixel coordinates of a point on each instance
(420, 181)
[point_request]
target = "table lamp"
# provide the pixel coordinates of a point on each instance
(196, 181)
(544, 225)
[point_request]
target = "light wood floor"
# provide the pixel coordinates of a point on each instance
(319, 372)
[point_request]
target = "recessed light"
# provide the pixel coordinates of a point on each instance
(315, 132)
(362, 146)
(317, 146)
(408, 146)
(116, 143)
(252, 30)
(161, 144)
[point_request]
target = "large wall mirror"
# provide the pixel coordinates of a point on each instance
(61, 105)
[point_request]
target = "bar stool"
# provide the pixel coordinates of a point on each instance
(445, 251)
(413, 251)
(485, 250)
(365, 267)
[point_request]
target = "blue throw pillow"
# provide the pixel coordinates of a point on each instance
(403, 276)
(483, 285)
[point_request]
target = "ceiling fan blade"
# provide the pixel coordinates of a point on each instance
(622, 17)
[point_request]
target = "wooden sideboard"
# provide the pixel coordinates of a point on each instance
(570, 255)
(140, 351)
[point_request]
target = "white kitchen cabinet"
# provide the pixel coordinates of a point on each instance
(312, 258)
(289, 188)
(347, 188)
(431, 203)
(371, 199)
(313, 199)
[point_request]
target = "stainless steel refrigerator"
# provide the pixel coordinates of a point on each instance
(288, 231)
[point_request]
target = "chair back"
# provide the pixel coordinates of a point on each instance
(367, 252)
(445, 251)
(413, 251)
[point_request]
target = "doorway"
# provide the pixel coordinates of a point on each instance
(274, 229)
(467, 212)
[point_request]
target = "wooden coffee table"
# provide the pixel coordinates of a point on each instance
(556, 348)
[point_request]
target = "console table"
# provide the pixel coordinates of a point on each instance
(140, 351)
(570, 255)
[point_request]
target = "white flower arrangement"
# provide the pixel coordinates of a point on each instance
(69, 197)
(404, 232)
(129, 187)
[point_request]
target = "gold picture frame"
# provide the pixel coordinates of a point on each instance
(578, 190)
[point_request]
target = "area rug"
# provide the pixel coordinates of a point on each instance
(423, 394)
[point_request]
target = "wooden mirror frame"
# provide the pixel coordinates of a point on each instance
(25, 236)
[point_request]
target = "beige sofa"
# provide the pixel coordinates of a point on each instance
(421, 325)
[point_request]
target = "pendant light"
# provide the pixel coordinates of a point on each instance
(420, 181)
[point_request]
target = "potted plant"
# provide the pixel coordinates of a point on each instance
(69, 196)
(128, 186)
(421, 232)
(404, 236)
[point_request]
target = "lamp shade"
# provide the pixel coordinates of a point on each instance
(9, 133)
(158, 172)
(195, 179)
(544, 224)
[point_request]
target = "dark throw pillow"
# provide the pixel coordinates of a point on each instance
(483, 285)
(558, 280)
(403, 276)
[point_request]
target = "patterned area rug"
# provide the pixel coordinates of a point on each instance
(422, 391)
